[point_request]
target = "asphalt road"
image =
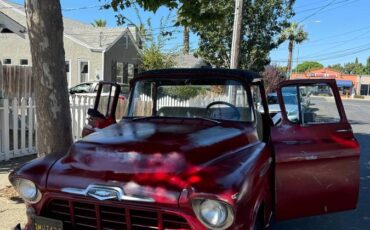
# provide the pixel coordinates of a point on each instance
(358, 112)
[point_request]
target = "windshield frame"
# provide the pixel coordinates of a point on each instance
(186, 77)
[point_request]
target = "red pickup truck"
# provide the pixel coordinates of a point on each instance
(197, 149)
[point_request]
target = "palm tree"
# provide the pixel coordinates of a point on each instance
(294, 34)
(99, 23)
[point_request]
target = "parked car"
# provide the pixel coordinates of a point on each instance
(86, 87)
(91, 88)
(291, 105)
(190, 153)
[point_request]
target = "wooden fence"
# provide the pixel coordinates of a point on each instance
(16, 81)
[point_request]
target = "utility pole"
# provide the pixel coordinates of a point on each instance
(235, 46)
(186, 48)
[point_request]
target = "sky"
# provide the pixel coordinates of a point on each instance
(338, 30)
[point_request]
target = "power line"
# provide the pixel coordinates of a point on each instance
(315, 8)
(336, 54)
(318, 11)
(82, 8)
(322, 40)
(63, 9)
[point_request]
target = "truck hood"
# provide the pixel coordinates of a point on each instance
(155, 158)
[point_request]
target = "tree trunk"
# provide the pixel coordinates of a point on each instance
(186, 40)
(45, 30)
(290, 58)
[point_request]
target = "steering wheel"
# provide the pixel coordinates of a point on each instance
(236, 113)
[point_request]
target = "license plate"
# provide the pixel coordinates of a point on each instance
(43, 223)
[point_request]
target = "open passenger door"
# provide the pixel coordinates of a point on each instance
(316, 153)
(103, 113)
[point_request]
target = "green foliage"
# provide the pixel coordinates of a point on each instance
(294, 33)
(153, 58)
(353, 67)
(263, 21)
(212, 20)
(99, 23)
(337, 67)
(152, 55)
(183, 92)
(188, 12)
(307, 65)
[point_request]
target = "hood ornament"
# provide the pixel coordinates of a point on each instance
(103, 192)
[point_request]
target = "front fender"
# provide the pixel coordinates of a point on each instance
(36, 170)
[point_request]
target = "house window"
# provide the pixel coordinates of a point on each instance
(23, 62)
(83, 69)
(121, 74)
(364, 90)
(131, 71)
(7, 61)
(68, 72)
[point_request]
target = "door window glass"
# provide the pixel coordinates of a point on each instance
(290, 99)
(106, 99)
(310, 104)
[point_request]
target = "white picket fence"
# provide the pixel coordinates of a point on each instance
(18, 124)
(198, 101)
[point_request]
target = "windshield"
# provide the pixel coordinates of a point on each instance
(218, 99)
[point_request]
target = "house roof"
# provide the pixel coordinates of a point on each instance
(96, 38)
(9, 24)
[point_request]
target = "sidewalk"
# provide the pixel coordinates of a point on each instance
(12, 210)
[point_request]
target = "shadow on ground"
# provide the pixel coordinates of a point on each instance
(358, 219)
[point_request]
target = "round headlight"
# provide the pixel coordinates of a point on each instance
(27, 190)
(213, 214)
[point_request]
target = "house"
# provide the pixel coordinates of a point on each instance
(365, 85)
(348, 84)
(92, 53)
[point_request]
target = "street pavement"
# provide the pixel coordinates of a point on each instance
(358, 112)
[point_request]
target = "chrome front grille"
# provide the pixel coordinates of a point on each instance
(81, 215)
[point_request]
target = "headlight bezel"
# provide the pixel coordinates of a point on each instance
(19, 182)
(229, 219)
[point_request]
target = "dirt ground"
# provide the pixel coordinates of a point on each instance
(12, 208)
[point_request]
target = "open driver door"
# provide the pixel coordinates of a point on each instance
(316, 153)
(103, 113)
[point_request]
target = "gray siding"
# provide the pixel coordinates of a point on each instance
(75, 53)
(119, 53)
(14, 47)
